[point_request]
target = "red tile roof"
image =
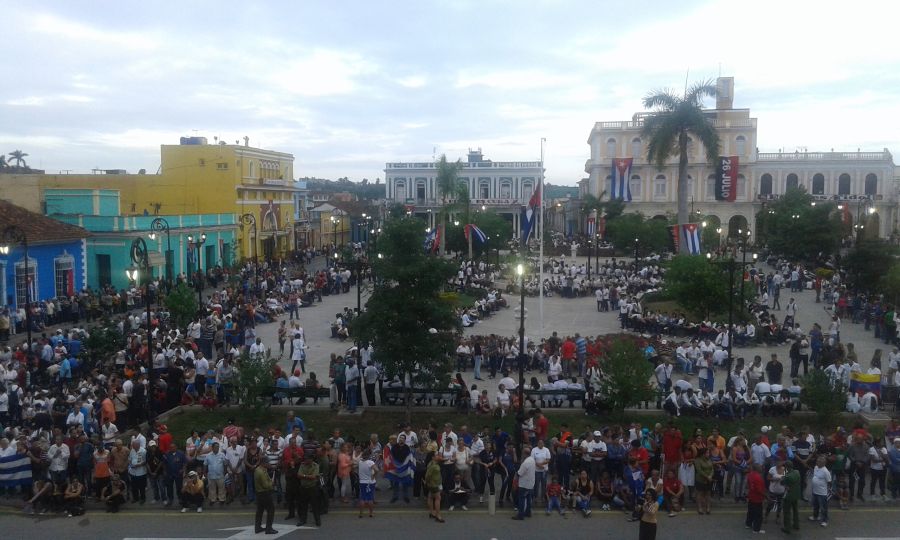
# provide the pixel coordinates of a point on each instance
(39, 229)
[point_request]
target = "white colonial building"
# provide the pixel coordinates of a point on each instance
(502, 186)
(866, 181)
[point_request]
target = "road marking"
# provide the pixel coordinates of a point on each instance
(241, 533)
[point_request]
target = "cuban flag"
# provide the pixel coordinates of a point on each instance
(621, 172)
(690, 235)
(591, 226)
(530, 214)
(15, 470)
(473, 229)
(430, 240)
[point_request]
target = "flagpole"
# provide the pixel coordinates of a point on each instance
(541, 249)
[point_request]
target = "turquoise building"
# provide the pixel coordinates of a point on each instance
(109, 246)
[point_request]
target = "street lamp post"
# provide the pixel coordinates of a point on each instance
(745, 237)
(520, 270)
(250, 220)
(157, 226)
(731, 267)
(141, 261)
(198, 243)
(12, 234)
(637, 244)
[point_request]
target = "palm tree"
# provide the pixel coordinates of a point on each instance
(3, 164)
(448, 187)
(667, 131)
(19, 157)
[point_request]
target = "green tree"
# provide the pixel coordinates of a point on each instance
(826, 398)
(497, 229)
(868, 262)
(253, 381)
(412, 327)
(18, 157)
(696, 285)
(890, 284)
(103, 342)
(798, 227)
(626, 374)
(182, 304)
(447, 182)
(668, 129)
(652, 234)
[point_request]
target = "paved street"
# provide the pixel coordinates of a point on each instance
(872, 522)
(564, 315)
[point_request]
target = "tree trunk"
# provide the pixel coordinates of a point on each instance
(682, 187)
(443, 233)
(408, 404)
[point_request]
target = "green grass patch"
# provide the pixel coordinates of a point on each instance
(386, 421)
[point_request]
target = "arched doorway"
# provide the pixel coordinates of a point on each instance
(873, 225)
(736, 223)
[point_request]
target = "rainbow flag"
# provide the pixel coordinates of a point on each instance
(862, 383)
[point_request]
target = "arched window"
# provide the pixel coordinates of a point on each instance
(690, 148)
(400, 190)
(791, 182)
(636, 149)
(871, 187)
(818, 184)
(740, 145)
(659, 186)
(844, 184)
(635, 186)
(251, 168)
(607, 184)
(765, 184)
(610, 147)
(690, 186)
(741, 187)
(711, 187)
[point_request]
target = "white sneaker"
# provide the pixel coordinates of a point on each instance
(183, 510)
(200, 510)
(480, 500)
(464, 507)
(451, 508)
(824, 524)
(761, 531)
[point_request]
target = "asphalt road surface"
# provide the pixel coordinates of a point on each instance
(237, 523)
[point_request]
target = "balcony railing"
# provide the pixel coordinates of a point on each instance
(509, 201)
(476, 165)
(884, 155)
(717, 122)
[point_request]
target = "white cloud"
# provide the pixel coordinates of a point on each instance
(413, 81)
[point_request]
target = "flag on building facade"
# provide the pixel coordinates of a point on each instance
(190, 256)
(473, 229)
(621, 173)
(430, 240)
(530, 214)
(591, 226)
(15, 470)
(861, 383)
(726, 178)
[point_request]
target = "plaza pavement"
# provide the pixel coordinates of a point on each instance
(563, 315)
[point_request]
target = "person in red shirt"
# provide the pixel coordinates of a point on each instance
(568, 355)
(673, 493)
(541, 425)
(640, 454)
(672, 442)
(165, 438)
(756, 494)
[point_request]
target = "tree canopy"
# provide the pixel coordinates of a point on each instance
(653, 234)
(799, 227)
(412, 327)
(669, 128)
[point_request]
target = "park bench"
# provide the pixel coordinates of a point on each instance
(301, 394)
(549, 397)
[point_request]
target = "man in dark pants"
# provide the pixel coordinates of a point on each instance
(370, 375)
(308, 474)
(264, 492)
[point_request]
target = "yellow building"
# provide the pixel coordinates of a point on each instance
(194, 178)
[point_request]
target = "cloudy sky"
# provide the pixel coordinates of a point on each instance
(346, 86)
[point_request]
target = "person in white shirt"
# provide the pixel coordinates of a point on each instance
(526, 475)
(821, 485)
(503, 400)
(541, 455)
(58, 454)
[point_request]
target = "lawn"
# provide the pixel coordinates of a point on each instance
(385, 421)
